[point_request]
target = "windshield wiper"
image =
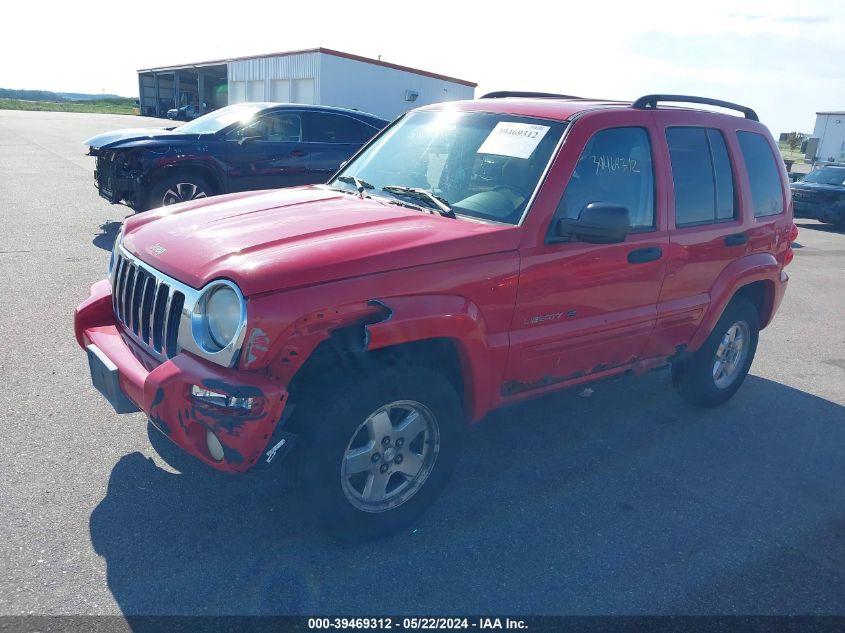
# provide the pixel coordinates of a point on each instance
(360, 185)
(409, 205)
(348, 192)
(421, 194)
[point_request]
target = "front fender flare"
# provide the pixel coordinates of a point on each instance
(457, 319)
(383, 322)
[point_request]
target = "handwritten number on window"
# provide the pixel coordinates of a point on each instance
(615, 164)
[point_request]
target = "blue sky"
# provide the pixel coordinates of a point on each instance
(785, 59)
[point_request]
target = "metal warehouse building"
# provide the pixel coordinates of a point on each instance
(315, 76)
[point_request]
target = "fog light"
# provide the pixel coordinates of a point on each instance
(215, 448)
(221, 399)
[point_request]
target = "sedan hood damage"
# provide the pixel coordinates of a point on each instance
(109, 140)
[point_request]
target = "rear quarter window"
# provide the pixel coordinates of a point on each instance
(763, 174)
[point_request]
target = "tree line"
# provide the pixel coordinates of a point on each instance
(48, 95)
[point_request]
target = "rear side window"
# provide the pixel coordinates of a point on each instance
(331, 128)
(366, 131)
(615, 167)
(763, 174)
(702, 175)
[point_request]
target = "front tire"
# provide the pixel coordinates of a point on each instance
(173, 189)
(714, 373)
(378, 450)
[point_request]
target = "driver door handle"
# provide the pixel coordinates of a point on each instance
(643, 255)
(298, 153)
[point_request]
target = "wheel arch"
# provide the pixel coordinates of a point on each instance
(761, 294)
(174, 169)
(752, 277)
(334, 357)
(444, 332)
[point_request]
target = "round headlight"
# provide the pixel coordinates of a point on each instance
(223, 315)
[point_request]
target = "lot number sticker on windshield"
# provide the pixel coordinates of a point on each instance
(517, 140)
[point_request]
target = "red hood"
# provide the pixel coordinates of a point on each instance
(279, 239)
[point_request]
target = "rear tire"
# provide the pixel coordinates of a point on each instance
(714, 373)
(378, 449)
(175, 188)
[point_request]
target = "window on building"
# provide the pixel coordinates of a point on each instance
(615, 167)
(281, 90)
(302, 91)
(763, 174)
(237, 92)
(255, 90)
(702, 176)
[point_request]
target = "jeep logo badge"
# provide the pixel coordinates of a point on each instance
(157, 250)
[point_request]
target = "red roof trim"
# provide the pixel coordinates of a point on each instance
(325, 51)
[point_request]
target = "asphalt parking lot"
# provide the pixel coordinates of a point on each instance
(624, 502)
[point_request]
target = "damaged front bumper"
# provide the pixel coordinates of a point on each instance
(232, 420)
(117, 184)
(121, 190)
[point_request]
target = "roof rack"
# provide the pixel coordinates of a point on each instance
(536, 95)
(650, 101)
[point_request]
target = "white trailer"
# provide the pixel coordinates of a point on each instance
(830, 132)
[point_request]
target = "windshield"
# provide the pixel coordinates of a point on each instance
(480, 164)
(219, 119)
(826, 176)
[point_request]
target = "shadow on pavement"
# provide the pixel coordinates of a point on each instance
(818, 226)
(107, 235)
(624, 502)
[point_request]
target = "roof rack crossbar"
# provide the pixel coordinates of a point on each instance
(501, 94)
(650, 101)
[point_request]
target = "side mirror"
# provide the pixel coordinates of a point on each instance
(248, 139)
(599, 223)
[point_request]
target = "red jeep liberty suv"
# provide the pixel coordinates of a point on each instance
(472, 255)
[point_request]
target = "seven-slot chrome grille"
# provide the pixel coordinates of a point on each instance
(149, 307)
